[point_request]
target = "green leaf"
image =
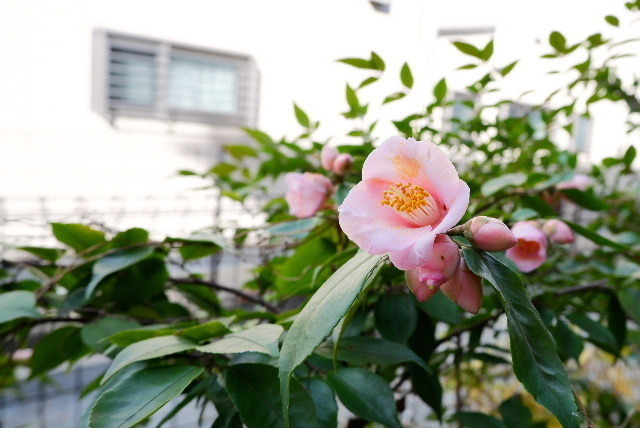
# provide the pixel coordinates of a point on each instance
(377, 62)
(629, 299)
(358, 63)
(301, 116)
(440, 90)
(262, 338)
(366, 394)
(254, 390)
(205, 331)
(325, 401)
(240, 152)
(514, 413)
(595, 237)
(367, 82)
(585, 199)
(496, 184)
(570, 345)
(129, 337)
(629, 156)
(93, 334)
(487, 52)
(55, 348)
(535, 357)
(394, 97)
(146, 350)
(113, 263)
(140, 395)
(77, 236)
(557, 41)
(352, 98)
(405, 76)
(259, 136)
(612, 20)
(597, 334)
(48, 254)
(478, 420)
(371, 350)
(396, 316)
(507, 69)
(18, 304)
(443, 309)
(468, 49)
(322, 313)
(538, 204)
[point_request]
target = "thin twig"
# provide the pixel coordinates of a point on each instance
(219, 287)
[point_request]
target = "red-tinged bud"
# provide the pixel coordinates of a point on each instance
(328, 155)
(342, 164)
(558, 231)
(490, 234)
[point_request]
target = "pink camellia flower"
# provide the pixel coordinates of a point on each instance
(464, 288)
(307, 193)
(410, 192)
(579, 181)
(558, 231)
(342, 164)
(490, 234)
(531, 250)
(328, 155)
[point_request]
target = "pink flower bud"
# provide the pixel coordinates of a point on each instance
(307, 193)
(342, 164)
(579, 181)
(465, 288)
(440, 267)
(558, 231)
(531, 250)
(490, 234)
(328, 155)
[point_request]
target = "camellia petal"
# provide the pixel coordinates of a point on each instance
(531, 250)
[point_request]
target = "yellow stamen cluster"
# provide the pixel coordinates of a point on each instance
(405, 197)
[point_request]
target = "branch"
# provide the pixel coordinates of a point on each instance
(219, 287)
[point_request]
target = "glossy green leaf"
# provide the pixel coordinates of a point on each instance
(113, 263)
(77, 236)
(323, 312)
(535, 357)
(597, 333)
(63, 344)
(514, 413)
(325, 401)
(478, 420)
(594, 236)
(240, 152)
(468, 49)
(612, 20)
(396, 316)
(585, 199)
(371, 350)
(17, 304)
(262, 338)
(358, 63)
(205, 331)
(129, 337)
(570, 345)
(629, 299)
(406, 76)
(496, 184)
(442, 308)
(146, 350)
(140, 395)
(254, 390)
(94, 334)
(366, 394)
(48, 254)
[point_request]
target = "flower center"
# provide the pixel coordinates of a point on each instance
(528, 247)
(412, 202)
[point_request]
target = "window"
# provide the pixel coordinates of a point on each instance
(141, 77)
(383, 6)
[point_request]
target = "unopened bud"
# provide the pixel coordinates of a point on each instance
(465, 288)
(558, 231)
(328, 155)
(342, 164)
(489, 234)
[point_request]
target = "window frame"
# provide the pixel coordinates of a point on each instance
(162, 50)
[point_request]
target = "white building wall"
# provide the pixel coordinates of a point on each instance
(52, 143)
